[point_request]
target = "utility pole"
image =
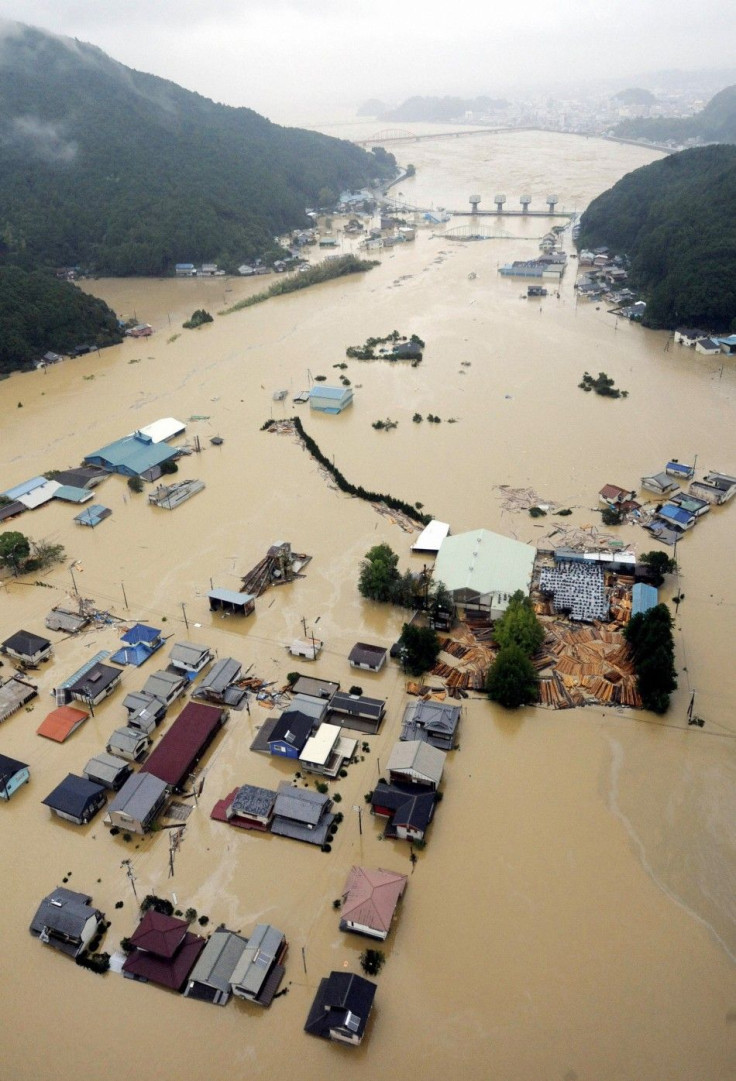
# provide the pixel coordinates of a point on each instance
(131, 877)
(304, 959)
(74, 581)
(184, 613)
(122, 586)
(359, 809)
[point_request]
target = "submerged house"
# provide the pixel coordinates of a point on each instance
(324, 399)
(139, 643)
(62, 722)
(218, 684)
(189, 658)
(302, 814)
(67, 921)
(91, 683)
(369, 901)
(358, 712)
(138, 803)
(164, 951)
(433, 722)
(132, 455)
(13, 774)
(108, 770)
(260, 969)
(76, 799)
(368, 657)
(129, 743)
(659, 483)
(209, 980)
(325, 752)
(341, 1008)
(166, 686)
(145, 711)
(185, 743)
(28, 648)
(250, 807)
(409, 809)
(230, 602)
(416, 762)
(14, 693)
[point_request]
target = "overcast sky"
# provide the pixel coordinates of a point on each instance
(287, 58)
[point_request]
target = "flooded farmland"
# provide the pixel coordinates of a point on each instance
(573, 913)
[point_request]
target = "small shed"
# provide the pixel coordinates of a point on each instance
(643, 597)
(28, 648)
(92, 516)
(308, 648)
(13, 774)
(62, 723)
(368, 657)
(230, 602)
(76, 799)
(14, 693)
(129, 743)
(108, 770)
(324, 399)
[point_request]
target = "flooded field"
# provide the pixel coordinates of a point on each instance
(573, 914)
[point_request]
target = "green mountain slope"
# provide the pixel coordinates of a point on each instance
(716, 123)
(39, 314)
(676, 221)
(127, 173)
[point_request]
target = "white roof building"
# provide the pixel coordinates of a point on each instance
(483, 570)
(431, 537)
(161, 430)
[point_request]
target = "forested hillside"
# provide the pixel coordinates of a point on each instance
(126, 173)
(676, 221)
(39, 314)
(716, 123)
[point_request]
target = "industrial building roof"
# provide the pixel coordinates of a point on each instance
(485, 563)
(431, 537)
(132, 454)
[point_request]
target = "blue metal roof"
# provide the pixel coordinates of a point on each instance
(26, 487)
(93, 515)
(140, 632)
(336, 393)
(643, 597)
(672, 513)
(133, 454)
(70, 494)
(678, 467)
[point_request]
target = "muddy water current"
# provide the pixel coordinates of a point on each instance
(573, 913)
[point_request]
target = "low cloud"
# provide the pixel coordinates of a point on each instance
(44, 140)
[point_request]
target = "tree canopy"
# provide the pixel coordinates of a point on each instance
(512, 679)
(421, 646)
(39, 314)
(124, 173)
(519, 626)
(379, 574)
(675, 220)
(649, 636)
(660, 564)
(14, 550)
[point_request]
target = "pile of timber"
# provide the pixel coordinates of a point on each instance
(588, 664)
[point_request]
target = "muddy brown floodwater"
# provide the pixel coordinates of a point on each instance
(573, 914)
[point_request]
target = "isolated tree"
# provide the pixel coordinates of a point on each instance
(440, 601)
(660, 564)
(421, 646)
(512, 679)
(14, 550)
(379, 575)
(649, 636)
(519, 626)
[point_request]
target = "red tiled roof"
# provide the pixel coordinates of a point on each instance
(370, 897)
(181, 747)
(61, 722)
(158, 934)
(171, 972)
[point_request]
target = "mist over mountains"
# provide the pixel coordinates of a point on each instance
(125, 173)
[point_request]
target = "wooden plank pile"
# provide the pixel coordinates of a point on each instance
(590, 663)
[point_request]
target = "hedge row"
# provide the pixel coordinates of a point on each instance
(345, 486)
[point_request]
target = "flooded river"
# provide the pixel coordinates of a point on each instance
(573, 914)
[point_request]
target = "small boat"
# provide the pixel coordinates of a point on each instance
(217, 440)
